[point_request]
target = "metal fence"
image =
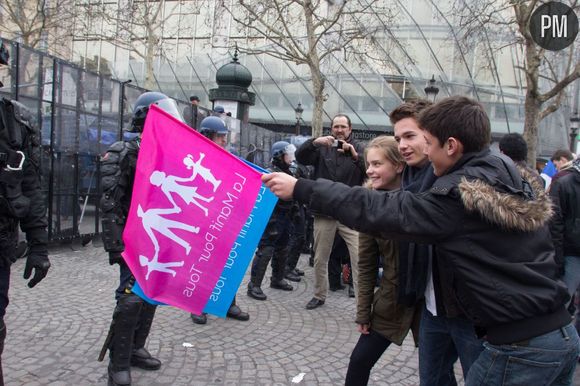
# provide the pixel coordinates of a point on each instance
(80, 114)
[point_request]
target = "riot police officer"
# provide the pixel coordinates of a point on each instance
(274, 243)
(132, 317)
(21, 199)
(214, 128)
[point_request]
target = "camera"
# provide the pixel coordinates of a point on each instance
(338, 143)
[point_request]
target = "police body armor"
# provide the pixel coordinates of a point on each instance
(117, 174)
(19, 149)
(132, 317)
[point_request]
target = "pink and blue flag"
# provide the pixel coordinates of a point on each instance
(191, 203)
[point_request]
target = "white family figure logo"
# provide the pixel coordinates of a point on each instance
(170, 184)
(153, 219)
(200, 170)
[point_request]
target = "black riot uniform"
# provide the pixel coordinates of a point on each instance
(274, 244)
(21, 199)
(132, 317)
(215, 129)
(298, 237)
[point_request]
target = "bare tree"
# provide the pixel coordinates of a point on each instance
(139, 26)
(306, 32)
(547, 73)
(40, 24)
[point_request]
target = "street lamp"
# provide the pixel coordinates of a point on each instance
(298, 110)
(574, 120)
(431, 91)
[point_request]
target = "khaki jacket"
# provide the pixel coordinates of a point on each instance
(380, 307)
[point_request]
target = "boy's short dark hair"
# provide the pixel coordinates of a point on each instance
(514, 146)
(193, 98)
(459, 117)
(565, 153)
(410, 109)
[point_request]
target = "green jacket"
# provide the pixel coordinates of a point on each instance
(380, 308)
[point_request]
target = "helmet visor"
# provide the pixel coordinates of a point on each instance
(169, 106)
(289, 151)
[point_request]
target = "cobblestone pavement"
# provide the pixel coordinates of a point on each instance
(55, 332)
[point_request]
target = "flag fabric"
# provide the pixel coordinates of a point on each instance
(239, 257)
(191, 200)
(242, 252)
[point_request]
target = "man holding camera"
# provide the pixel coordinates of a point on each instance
(336, 157)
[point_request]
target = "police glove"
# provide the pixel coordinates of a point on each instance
(37, 260)
(115, 258)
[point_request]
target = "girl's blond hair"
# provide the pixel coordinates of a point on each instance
(389, 147)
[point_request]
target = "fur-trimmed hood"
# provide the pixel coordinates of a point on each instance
(515, 212)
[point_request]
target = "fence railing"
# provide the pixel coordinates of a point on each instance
(80, 114)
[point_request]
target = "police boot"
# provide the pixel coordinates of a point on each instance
(255, 292)
(141, 357)
(259, 267)
(281, 285)
(2, 338)
(294, 252)
(293, 257)
(125, 320)
(292, 276)
(278, 267)
(235, 312)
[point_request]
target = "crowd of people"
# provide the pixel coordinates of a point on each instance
(470, 248)
(486, 248)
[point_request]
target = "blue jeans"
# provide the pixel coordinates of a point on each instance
(441, 341)
(548, 359)
(571, 274)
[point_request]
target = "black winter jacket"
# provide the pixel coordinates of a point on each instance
(491, 238)
(565, 227)
(21, 198)
(330, 164)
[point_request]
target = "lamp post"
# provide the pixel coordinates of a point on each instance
(574, 121)
(431, 90)
(298, 110)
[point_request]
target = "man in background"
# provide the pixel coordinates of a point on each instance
(190, 112)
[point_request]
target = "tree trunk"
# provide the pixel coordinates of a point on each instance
(532, 105)
(149, 58)
(532, 114)
(317, 110)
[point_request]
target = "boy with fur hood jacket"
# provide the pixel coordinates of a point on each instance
(492, 243)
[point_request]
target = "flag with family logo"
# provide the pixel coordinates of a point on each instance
(191, 202)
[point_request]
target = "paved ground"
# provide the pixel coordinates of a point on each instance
(55, 332)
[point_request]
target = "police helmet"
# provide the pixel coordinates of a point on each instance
(282, 147)
(298, 140)
(211, 126)
(141, 108)
(219, 109)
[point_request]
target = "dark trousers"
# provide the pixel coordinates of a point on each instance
(366, 353)
(338, 255)
(4, 285)
(125, 278)
(273, 247)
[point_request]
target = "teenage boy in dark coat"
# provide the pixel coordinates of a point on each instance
(489, 226)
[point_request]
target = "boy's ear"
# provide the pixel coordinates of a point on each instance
(454, 147)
